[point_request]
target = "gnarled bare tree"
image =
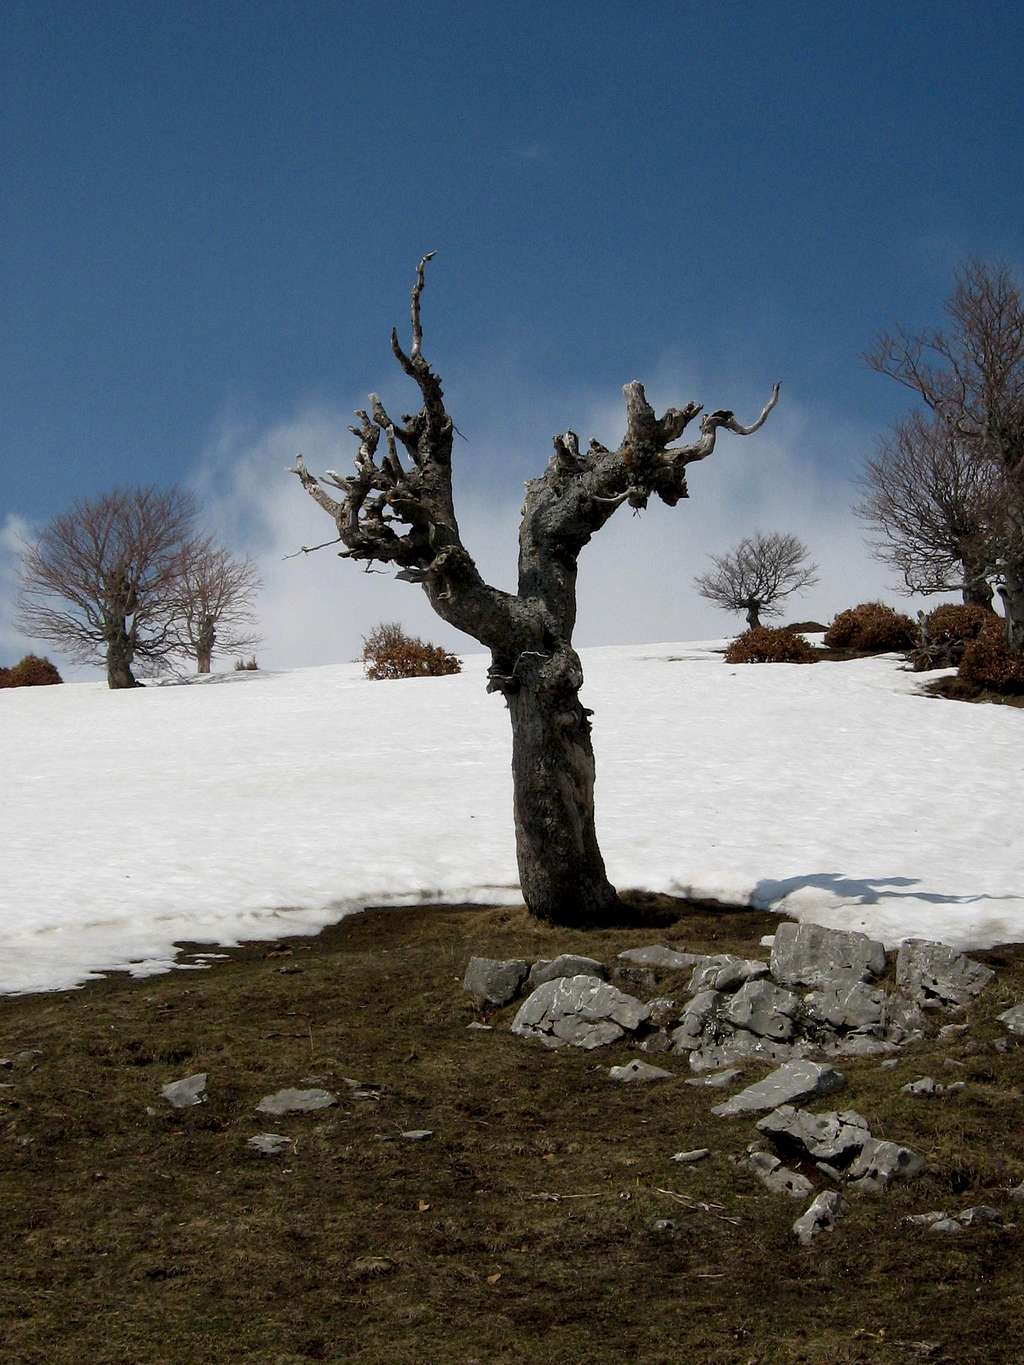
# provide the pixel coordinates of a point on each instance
(100, 581)
(761, 572)
(934, 509)
(403, 514)
(972, 378)
(213, 603)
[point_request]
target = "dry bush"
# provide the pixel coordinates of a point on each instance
(945, 633)
(246, 665)
(389, 653)
(804, 627)
(987, 661)
(767, 646)
(30, 672)
(871, 628)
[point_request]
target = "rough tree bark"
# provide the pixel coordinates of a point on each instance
(404, 515)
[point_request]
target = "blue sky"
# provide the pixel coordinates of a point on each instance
(212, 212)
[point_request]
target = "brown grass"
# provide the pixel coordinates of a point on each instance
(131, 1237)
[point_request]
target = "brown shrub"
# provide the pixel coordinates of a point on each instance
(30, 672)
(945, 633)
(389, 653)
(871, 628)
(766, 646)
(246, 665)
(804, 627)
(987, 661)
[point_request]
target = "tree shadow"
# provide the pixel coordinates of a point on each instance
(860, 890)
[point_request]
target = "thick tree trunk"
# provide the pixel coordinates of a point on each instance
(753, 615)
(1012, 596)
(119, 659)
(977, 590)
(204, 647)
(561, 870)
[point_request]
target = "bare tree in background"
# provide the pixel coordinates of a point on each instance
(934, 509)
(213, 603)
(761, 572)
(100, 583)
(403, 514)
(971, 377)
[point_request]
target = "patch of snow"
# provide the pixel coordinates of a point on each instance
(133, 821)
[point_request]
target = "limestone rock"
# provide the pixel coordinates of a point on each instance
(417, 1134)
(835, 1137)
(185, 1093)
(820, 1216)
(1017, 1193)
(945, 1225)
(719, 1080)
(934, 974)
(1013, 1019)
(691, 1158)
(776, 1177)
(696, 1014)
(847, 1003)
(724, 972)
(494, 983)
(903, 1020)
(740, 1045)
(924, 1085)
(980, 1213)
(270, 1144)
(580, 1011)
(763, 1008)
(661, 1041)
(660, 957)
(567, 964)
(639, 1071)
(296, 1101)
(879, 1163)
(811, 955)
(792, 1083)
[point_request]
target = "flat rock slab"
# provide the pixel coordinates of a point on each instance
(185, 1093)
(296, 1101)
(1013, 1019)
(811, 955)
(494, 982)
(791, 1083)
(579, 1011)
(937, 975)
(833, 1137)
(270, 1144)
(718, 1081)
(878, 1164)
(820, 1216)
(566, 964)
(691, 1158)
(776, 1177)
(639, 1071)
(659, 956)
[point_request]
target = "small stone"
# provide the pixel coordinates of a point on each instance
(493, 982)
(657, 1042)
(889, 1063)
(417, 1134)
(28, 1056)
(659, 956)
(836, 1136)
(1016, 1195)
(820, 1216)
(776, 1177)
(766, 940)
(1001, 1045)
(663, 1225)
(724, 972)
(792, 1083)
(639, 1071)
(945, 1226)
(477, 1027)
(296, 1101)
(290, 970)
(951, 1031)
(581, 1011)
(270, 1144)
(567, 964)
(951, 1064)
(811, 955)
(880, 1163)
(925, 1220)
(924, 1085)
(980, 1213)
(185, 1093)
(690, 1158)
(718, 1081)
(1013, 1019)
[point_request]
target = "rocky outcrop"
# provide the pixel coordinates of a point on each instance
(579, 1011)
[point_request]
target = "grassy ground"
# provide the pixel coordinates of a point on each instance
(521, 1231)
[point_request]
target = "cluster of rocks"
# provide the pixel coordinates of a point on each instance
(820, 993)
(817, 994)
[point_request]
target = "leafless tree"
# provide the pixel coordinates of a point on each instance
(213, 603)
(403, 514)
(971, 377)
(101, 579)
(933, 508)
(761, 572)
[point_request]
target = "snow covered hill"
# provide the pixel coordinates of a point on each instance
(253, 805)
